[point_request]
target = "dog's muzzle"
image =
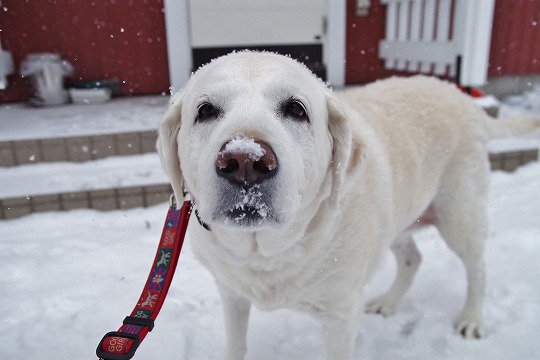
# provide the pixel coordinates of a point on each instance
(246, 167)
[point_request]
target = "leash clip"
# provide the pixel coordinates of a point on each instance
(172, 201)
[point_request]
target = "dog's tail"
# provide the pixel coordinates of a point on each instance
(510, 127)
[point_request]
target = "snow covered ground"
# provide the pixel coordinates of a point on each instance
(67, 278)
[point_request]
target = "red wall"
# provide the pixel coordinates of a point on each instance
(362, 49)
(515, 45)
(102, 39)
(125, 39)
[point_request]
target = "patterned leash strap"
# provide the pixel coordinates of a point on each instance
(122, 344)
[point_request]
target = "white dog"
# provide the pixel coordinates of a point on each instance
(299, 192)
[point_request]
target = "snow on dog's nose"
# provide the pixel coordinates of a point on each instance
(244, 161)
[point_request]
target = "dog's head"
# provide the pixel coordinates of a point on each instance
(256, 139)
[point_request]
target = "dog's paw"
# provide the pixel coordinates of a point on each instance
(381, 305)
(470, 328)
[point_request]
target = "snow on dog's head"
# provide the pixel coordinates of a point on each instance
(283, 133)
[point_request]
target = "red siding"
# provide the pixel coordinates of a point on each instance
(125, 39)
(515, 43)
(103, 39)
(363, 36)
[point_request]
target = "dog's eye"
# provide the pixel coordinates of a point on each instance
(206, 111)
(296, 110)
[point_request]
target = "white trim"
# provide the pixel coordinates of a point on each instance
(335, 42)
(475, 20)
(437, 52)
(178, 42)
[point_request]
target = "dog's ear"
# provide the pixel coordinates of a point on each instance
(167, 146)
(346, 152)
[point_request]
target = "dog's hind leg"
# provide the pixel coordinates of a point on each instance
(408, 260)
(465, 235)
(462, 222)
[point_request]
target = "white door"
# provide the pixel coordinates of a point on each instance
(291, 27)
(202, 25)
(233, 23)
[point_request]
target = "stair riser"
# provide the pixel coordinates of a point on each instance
(77, 149)
(144, 196)
(105, 200)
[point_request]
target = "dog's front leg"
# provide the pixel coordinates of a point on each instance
(340, 331)
(236, 314)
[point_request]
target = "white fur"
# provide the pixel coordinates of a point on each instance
(353, 179)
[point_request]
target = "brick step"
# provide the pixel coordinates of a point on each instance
(511, 160)
(105, 184)
(125, 197)
(77, 148)
(105, 200)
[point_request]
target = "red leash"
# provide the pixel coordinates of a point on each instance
(122, 344)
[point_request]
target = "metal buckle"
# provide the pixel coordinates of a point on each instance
(108, 356)
(172, 201)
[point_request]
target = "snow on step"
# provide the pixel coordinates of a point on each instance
(52, 178)
(127, 114)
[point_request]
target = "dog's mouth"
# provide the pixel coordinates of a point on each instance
(247, 216)
(246, 207)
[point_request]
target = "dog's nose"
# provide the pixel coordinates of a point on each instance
(245, 161)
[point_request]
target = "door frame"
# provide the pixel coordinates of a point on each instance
(177, 26)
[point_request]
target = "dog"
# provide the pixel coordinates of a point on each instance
(301, 190)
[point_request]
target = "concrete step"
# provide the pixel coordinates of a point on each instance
(76, 148)
(79, 132)
(55, 159)
(105, 200)
(105, 184)
(511, 160)
(121, 183)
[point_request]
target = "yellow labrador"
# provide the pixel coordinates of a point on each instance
(299, 191)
